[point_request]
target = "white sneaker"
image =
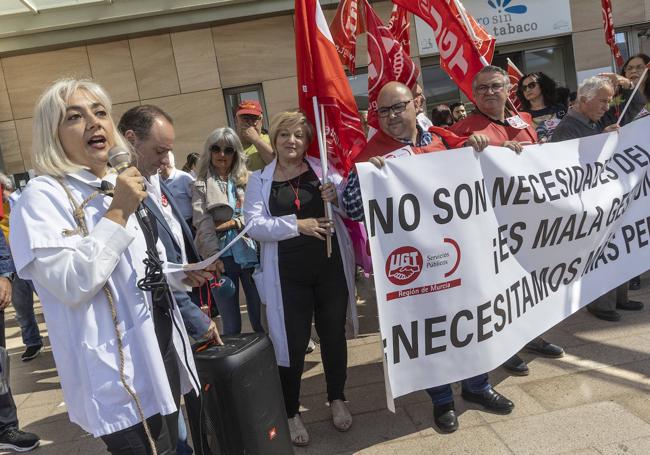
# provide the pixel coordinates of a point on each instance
(299, 435)
(341, 417)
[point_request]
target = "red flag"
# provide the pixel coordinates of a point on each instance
(387, 61)
(484, 42)
(348, 23)
(515, 75)
(318, 77)
(399, 25)
(610, 36)
(460, 56)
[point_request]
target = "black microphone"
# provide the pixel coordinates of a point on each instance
(120, 159)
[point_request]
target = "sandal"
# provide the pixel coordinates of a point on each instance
(298, 432)
(341, 417)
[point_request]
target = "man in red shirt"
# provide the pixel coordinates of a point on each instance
(491, 118)
(490, 89)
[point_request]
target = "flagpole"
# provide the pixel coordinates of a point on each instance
(515, 67)
(470, 29)
(320, 134)
(636, 88)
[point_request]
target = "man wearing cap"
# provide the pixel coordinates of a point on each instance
(257, 146)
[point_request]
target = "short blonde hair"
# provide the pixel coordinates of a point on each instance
(290, 119)
(48, 156)
(224, 137)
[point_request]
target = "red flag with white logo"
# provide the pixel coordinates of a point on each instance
(348, 23)
(484, 42)
(387, 62)
(399, 25)
(610, 35)
(515, 76)
(318, 77)
(460, 55)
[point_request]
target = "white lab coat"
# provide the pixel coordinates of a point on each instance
(69, 272)
(269, 230)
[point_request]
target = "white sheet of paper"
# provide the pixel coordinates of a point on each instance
(170, 267)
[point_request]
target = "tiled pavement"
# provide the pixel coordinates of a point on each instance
(593, 401)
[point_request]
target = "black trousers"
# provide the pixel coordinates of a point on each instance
(314, 286)
(8, 415)
(164, 429)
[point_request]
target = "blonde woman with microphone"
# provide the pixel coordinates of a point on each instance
(81, 245)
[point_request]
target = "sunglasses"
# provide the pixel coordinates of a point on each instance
(214, 148)
(529, 86)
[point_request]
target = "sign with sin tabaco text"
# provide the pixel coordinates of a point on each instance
(508, 21)
(475, 254)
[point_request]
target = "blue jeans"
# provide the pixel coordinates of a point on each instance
(442, 394)
(229, 308)
(182, 448)
(22, 297)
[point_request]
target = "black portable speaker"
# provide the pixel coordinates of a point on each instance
(243, 408)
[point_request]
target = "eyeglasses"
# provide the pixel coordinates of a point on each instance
(214, 148)
(396, 108)
(483, 89)
(529, 86)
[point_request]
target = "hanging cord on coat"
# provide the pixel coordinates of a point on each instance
(82, 229)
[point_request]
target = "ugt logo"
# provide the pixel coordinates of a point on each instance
(502, 6)
(403, 265)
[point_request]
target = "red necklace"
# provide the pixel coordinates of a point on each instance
(296, 201)
(295, 189)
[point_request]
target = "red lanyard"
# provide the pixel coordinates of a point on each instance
(296, 201)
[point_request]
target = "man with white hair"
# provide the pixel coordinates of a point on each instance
(592, 115)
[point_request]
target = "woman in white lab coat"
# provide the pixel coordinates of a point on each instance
(85, 260)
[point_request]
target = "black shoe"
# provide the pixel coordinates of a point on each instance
(630, 305)
(19, 441)
(606, 315)
(445, 418)
(635, 283)
(31, 352)
(491, 400)
(516, 366)
(543, 347)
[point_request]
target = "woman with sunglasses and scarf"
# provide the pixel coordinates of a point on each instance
(536, 92)
(217, 202)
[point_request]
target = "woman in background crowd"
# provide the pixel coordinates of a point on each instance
(217, 202)
(190, 164)
(536, 92)
(298, 281)
(441, 116)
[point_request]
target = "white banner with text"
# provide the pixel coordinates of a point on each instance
(475, 254)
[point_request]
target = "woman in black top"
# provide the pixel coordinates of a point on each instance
(536, 92)
(284, 206)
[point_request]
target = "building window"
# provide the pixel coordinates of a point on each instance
(359, 86)
(438, 87)
(236, 95)
(548, 60)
